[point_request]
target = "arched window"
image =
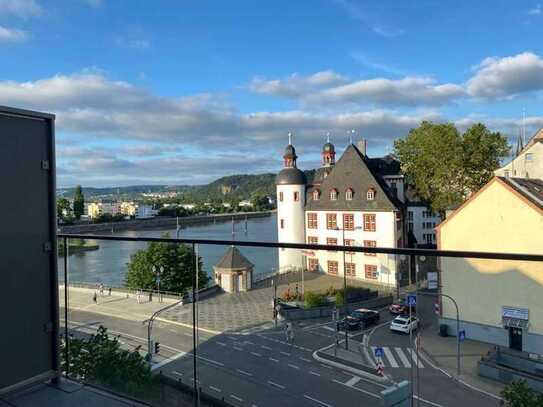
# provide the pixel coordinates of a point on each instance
(349, 194)
(370, 195)
(333, 194)
(316, 195)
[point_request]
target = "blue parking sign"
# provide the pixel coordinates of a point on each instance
(411, 300)
(379, 352)
(461, 335)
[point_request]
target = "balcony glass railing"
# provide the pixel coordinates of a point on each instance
(268, 324)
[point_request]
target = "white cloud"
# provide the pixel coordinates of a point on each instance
(20, 8)
(296, 85)
(356, 12)
(368, 62)
(507, 77)
(536, 11)
(12, 35)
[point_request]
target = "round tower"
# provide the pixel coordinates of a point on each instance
(290, 185)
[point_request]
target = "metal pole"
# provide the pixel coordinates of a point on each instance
(195, 373)
(345, 290)
(67, 338)
(418, 332)
(411, 344)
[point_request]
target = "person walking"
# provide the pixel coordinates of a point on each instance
(138, 296)
(109, 291)
(101, 289)
(94, 298)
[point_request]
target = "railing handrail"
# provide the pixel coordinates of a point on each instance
(358, 249)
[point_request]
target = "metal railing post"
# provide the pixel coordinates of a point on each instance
(195, 373)
(67, 337)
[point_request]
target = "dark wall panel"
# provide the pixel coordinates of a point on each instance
(27, 260)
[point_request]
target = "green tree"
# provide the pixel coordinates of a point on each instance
(99, 359)
(177, 261)
(444, 166)
(64, 210)
(518, 394)
(79, 202)
(260, 202)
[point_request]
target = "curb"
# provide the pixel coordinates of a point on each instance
(350, 369)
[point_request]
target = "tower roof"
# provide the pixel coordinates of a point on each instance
(290, 176)
(233, 259)
(328, 148)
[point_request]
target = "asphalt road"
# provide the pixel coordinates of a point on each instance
(262, 369)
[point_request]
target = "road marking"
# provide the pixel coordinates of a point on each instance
(238, 348)
(177, 373)
(427, 401)
(210, 360)
(390, 357)
(415, 359)
(280, 386)
(214, 388)
(305, 359)
(244, 372)
(284, 353)
(273, 360)
(236, 398)
(233, 338)
(352, 381)
(256, 354)
(322, 403)
(265, 347)
(166, 361)
(293, 366)
(249, 342)
(329, 328)
(187, 334)
(402, 357)
(221, 343)
(326, 366)
(314, 373)
(369, 393)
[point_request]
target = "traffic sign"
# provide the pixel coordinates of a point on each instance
(436, 308)
(412, 300)
(379, 352)
(380, 368)
(462, 335)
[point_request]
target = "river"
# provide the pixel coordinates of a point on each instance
(107, 265)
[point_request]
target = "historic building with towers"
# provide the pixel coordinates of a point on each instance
(354, 201)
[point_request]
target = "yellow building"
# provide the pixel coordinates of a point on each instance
(500, 302)
(129, 208)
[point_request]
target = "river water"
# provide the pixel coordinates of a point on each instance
(108, 264)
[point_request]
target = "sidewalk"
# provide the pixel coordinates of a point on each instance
(442, 352)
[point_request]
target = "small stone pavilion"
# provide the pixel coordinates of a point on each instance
(233, 272)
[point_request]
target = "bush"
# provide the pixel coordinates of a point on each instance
(312, 300)
(354, 294)
(518, 394)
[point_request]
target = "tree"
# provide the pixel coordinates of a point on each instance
(518, 394)
(177, 261)
(79, 202)
(260, 202)
(64, 209)
(445, 167)
(100, 359)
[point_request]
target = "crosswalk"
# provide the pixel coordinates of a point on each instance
(397, 357)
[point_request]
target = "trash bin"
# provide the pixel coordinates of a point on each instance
(443, 330)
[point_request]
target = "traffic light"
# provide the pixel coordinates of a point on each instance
(157, 347)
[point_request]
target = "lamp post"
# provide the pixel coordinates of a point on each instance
(158, 271)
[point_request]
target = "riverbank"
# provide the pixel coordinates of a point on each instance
(77, 248)
(159, 222)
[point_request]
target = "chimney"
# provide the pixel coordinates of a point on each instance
(361, 145)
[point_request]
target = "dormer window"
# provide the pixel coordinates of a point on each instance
(316, 195)
(333, 194)
(349, 194)
(370, 195)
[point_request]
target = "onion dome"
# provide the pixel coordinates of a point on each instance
(290, 176)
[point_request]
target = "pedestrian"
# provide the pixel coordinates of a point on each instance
(109, 291)
(334, 314)
(94, 298)
(138, 296)
(101, 289)
(150, 296)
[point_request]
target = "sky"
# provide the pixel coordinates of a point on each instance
(184, 92)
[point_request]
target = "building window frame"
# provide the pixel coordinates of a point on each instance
(331, 241)
(333, 267)
(370, 194)
(296, 196)
(333, 194)
(282, 223)
(370, 272)
(370, 222)
(348, 221)
(312, 220)
(281, 196)
(349, 193)
(316, 195)
(313, 264)
(331, 221)
(370, 243)
(312, 240)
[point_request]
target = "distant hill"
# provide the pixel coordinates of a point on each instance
(225, 188)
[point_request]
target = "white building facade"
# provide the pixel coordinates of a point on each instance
(528, 160)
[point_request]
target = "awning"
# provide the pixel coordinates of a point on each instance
(514, 323)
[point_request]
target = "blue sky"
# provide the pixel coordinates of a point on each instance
(183, 92)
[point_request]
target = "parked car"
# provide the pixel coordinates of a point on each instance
(400, 307)
(404, 324)
(360, 318)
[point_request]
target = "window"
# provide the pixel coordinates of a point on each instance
(331, 221)
(316, 195)
(350, 269)
(280, 197)
(529, 156)
(312, 220)
(370, 243)
(332, 241)
(348, 221)
(313, 264)
(312, 240)
(369, 223)
(507, 173)
(349, 194)
(296, 196)
(348, 242)
(282, 223)
(370, 195)
(370, 272)
(410, 215)
(333, 194)
(332, 267)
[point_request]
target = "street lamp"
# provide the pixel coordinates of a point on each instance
(158, 271)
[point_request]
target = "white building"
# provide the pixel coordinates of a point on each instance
(358, 201)
(145, 211)
(528, 160)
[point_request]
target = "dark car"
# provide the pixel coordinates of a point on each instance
(360, 319)
(400, 307)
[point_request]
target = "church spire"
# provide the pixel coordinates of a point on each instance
(289, 157)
